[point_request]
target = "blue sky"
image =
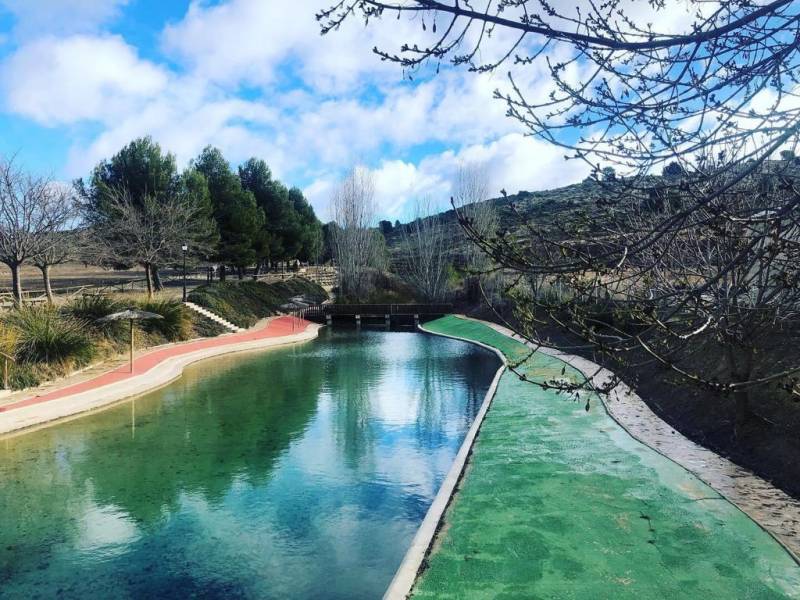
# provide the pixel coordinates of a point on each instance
(81, 78)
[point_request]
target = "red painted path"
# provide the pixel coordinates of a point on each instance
(278, 327)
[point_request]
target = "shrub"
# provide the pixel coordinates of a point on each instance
(9, 337)
(24, 375)
(176, 323)
(46, 335)
(90, 309)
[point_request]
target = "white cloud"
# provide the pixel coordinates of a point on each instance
(249, 40)
(324, 103)
(513, 162)
(233, 41)
(184, 120)
(66, 80)
(399, 184)
(38, 17)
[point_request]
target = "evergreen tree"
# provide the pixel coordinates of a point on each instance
(308, 227)
(147, 177)
(291, 229)
(272, 197)
(239, 218)
(141, 168)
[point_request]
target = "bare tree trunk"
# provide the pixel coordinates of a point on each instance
(148, 275)
(741, 371)
(743, 414)
(222, 273)
(46, 279)
(157, 285)
(16, 283)
(241, 273)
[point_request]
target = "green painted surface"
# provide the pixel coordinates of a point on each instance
(562, 503)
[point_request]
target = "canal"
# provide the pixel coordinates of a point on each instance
(299, 472)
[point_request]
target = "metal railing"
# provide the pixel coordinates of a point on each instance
(320, 311)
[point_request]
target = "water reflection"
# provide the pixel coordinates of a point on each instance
(299, 472)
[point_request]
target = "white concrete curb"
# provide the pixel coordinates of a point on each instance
(160, 375)
(406, 574)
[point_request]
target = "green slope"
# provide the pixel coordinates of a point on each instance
(558, 502)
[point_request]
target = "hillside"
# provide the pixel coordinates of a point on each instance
(546, 205)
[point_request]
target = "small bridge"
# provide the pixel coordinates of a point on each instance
(386, 313)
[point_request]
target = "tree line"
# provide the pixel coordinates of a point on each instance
(138, 209)
(426, 250)
(142, 210)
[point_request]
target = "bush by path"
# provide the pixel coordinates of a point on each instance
(49, 342)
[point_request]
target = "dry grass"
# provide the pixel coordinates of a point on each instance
(67, 275)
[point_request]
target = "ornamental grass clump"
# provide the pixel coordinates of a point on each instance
(90, 309)
(176, 324)
(9, 337)
(45, 335)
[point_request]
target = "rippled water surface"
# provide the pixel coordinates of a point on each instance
(301, 472)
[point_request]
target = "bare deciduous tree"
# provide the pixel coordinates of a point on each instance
(726, 290)
(353, 236)
(56, 248)
(32, 209)
(713, 97)
(426, 253)
(716, 300)
(149, 231)
(471, 201)
(644, 95)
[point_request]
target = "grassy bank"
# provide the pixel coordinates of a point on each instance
(245, 302)
(48, 342)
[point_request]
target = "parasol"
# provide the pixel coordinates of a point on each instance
(130, 314)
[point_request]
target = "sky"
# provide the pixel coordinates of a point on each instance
(82, 78)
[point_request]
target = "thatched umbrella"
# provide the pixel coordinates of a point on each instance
(131, 314)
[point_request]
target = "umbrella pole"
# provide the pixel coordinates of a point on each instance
(131, 320)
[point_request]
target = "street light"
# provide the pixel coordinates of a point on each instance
(184, 248)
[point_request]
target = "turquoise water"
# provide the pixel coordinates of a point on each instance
(295, 473)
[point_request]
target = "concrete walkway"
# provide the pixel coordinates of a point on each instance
(151, 369)
(560, 502)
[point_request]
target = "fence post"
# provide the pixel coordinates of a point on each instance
(6, 359)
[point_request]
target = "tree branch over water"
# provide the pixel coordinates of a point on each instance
(680, 110)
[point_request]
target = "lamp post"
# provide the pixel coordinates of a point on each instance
(184, 248)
